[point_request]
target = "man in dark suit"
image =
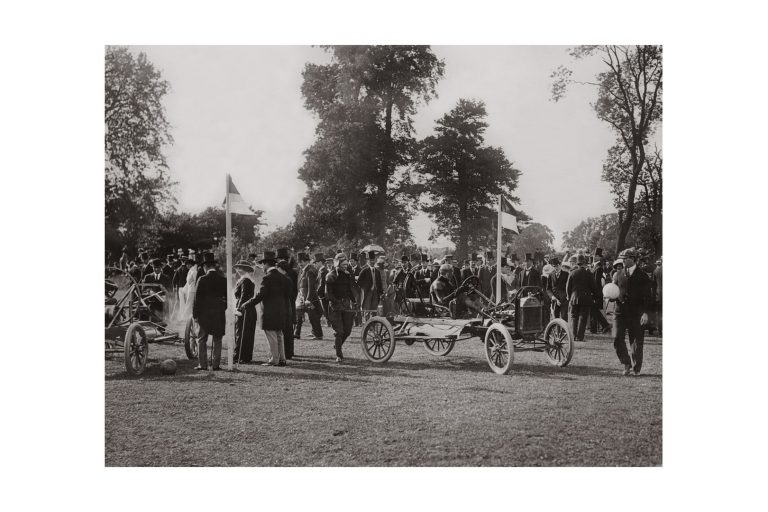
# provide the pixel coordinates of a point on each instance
(208, 311)
(338, 289)
(328, 265)
(556, 291)
(632, 306)
(308, 291)
(355, 262)
(275, 294)
(529, 276)
(485, 273)
(657, 291)
(371, 286)
(283, 254)
(580, 292)
(596, 317)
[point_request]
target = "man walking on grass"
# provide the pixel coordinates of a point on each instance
(635, 300)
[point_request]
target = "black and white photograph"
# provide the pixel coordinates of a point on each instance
(375, 255)
(382, 256)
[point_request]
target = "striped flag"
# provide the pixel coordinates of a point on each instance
(236, 203)
(507, 215)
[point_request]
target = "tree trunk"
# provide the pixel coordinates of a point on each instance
(637, 166)
(380, 225)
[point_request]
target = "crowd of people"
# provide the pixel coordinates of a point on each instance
(346, 289)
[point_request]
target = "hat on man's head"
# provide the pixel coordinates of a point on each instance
(283, 253)
(554, 260)
(156, 262)
(628, 253)
(208, 258)
(618, 262)
(489, 255)
(599, 252)
(340, 257)
(473, 256)
(318, 258)
(244, 265)
(416, 256)
(528, 257)
(513, 257)
(267, 257)
(436, 262)
(581, 259)
(371, 255)
(302, 256)
(404, 257)
(424, 257)
(548, 269)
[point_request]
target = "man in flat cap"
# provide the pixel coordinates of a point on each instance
(632, 306)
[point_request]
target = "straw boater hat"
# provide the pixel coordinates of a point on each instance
(340, 257)
(244, 265)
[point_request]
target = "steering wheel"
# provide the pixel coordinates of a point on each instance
(471, 283)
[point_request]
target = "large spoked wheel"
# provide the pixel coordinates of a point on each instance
(499, 350)
(136, 349)
(439, 346)
(559, 342)
(378, 340)
(190, 338)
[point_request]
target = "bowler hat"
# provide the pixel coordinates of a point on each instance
(156, 262)
(319, 257)
(208, 258)
(283, 253)
(267, 257)
(245, 265)
(628, 253)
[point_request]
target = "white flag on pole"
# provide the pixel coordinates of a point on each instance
(236, 203)
(507, 215)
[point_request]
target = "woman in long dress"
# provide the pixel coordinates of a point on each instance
(245, 322)
(187, 293)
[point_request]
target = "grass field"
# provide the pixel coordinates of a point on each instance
(415, 410)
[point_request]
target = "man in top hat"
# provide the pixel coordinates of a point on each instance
(327, 266)
(472, 268)
(308, 282)
(208, 311)
(485, 273)
(529, 276)
(372, 286)
(580, 292)
(632, 306)
(423, 277)
(179, 278)
(355, 267)
(341, 301)
(556, 289)
(283, 254)
(596, 317)
(275, 295)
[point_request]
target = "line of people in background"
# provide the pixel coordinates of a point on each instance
(347, 289)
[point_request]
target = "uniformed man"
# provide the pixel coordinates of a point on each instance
(341, 302)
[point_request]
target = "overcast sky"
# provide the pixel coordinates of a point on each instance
(239, 110)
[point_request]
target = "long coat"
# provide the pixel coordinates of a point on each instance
(556, 286)
(245, 325)
(530, 277)
(635, 292)
(308, 282)
(211, 303)
(580, 287)
(371, 295)
(275, 295)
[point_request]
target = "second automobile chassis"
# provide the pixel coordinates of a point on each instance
(504, 328)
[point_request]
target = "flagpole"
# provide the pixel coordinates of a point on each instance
(498, 254)
(230, 313)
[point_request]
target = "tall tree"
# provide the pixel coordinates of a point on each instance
(629, 98)
(533, 238)
(365, 100)
(462, 177)
(595, 232)
(136, 132)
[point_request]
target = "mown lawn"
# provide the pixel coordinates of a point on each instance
(416, 410)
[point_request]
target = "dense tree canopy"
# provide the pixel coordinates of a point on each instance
(461, 177)
(136, 132)
(365, 99)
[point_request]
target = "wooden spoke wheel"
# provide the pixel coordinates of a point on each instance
(559, 342)
(439, 346)
(190, 339)
(378, 340)
(499, 350)
(136, 349)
